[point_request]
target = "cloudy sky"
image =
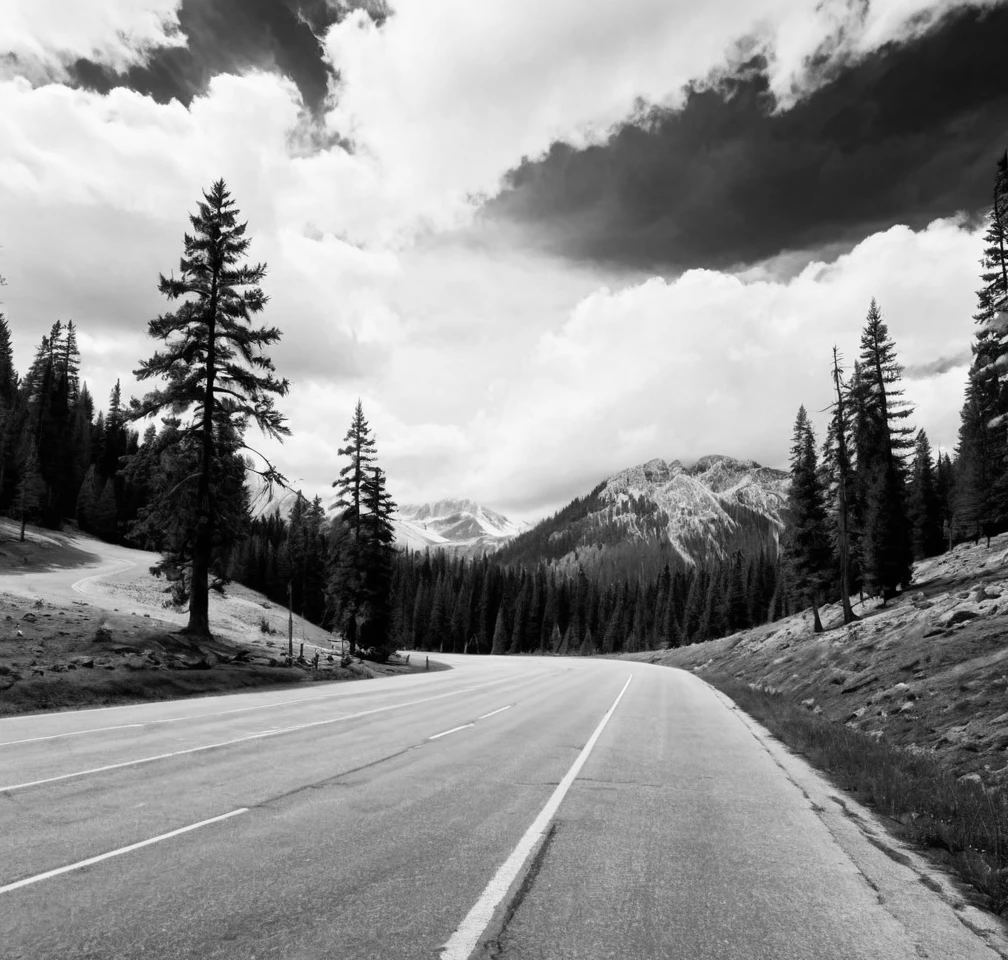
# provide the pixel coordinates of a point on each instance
(541, 241)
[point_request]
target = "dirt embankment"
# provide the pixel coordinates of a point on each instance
(928, 672)
(84, 623)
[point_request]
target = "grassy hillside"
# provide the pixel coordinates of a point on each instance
(907, 707)
(117, 643)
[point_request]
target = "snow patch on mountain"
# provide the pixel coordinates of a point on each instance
(453, 524)
(696, 500)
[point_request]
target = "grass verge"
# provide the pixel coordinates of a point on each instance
(963, 824)
(104, 690)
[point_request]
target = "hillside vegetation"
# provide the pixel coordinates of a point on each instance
(906, 707)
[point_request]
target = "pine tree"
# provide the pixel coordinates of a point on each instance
(886, 550)
(31, 487)
(839, 461)
(555, 640)
(8, 401)
(218, 375)
(360, 448)
(806, 547)
(923, 506)
(165, 522)
(8, 375)
(982, 495)
(377, 554)
(499, 646)
(992, 337)
(945, 493)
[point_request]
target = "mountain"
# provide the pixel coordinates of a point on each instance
(454, 524)
(659, 512)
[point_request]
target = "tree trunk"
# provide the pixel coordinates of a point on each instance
(351, 636)
(772, 606)
(844, 536)
(817, 626)
(199, 588)
(199, 585)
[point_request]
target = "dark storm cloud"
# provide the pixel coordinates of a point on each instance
(229, 36)
(910, 134)
(935, 368)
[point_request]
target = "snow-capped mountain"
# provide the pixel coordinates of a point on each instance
(701, 505)
(454, 524)
(702, 512)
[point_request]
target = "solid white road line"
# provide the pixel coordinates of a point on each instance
(116, 853)
(444, 733)
(492, 713)
(463, 941)
(252, 736)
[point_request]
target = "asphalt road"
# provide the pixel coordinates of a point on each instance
(540, 808)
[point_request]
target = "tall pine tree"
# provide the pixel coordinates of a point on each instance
(218, 376)
(884, 441)
(806, 549)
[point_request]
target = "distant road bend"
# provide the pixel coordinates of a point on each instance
(510, 807)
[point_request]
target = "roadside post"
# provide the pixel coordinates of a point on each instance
(290, 619)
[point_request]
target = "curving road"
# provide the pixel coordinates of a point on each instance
(509, 807)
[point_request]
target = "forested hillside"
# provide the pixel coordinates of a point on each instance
(657, 555)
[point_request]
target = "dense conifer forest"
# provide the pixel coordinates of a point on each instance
(862, 505)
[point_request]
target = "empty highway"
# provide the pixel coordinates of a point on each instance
(509, 807)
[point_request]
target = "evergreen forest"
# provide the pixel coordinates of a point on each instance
(864, 501)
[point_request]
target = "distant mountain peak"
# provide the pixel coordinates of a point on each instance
(454, 523)
(706, 511)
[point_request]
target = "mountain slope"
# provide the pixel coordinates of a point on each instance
(453, 524)
(661, 511)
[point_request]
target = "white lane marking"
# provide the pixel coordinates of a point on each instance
(492, 713)
(117, 853)
(463, 941)
(78, 733)
(444, 733)
(280, 703)
(194, 716)
(252, 736)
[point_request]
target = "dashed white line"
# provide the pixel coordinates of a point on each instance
(463, 941)
(249, 737)
(444, 733)
(195, 716)
(117, 853)
(492, 713)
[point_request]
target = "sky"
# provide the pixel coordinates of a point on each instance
(541, 242)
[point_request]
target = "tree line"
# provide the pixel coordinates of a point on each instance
(59, 459)
(860, 509)
(183, 491)
(878, 499)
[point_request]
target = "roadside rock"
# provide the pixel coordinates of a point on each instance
(960, 616)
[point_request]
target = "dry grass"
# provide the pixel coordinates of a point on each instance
(907, 706)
